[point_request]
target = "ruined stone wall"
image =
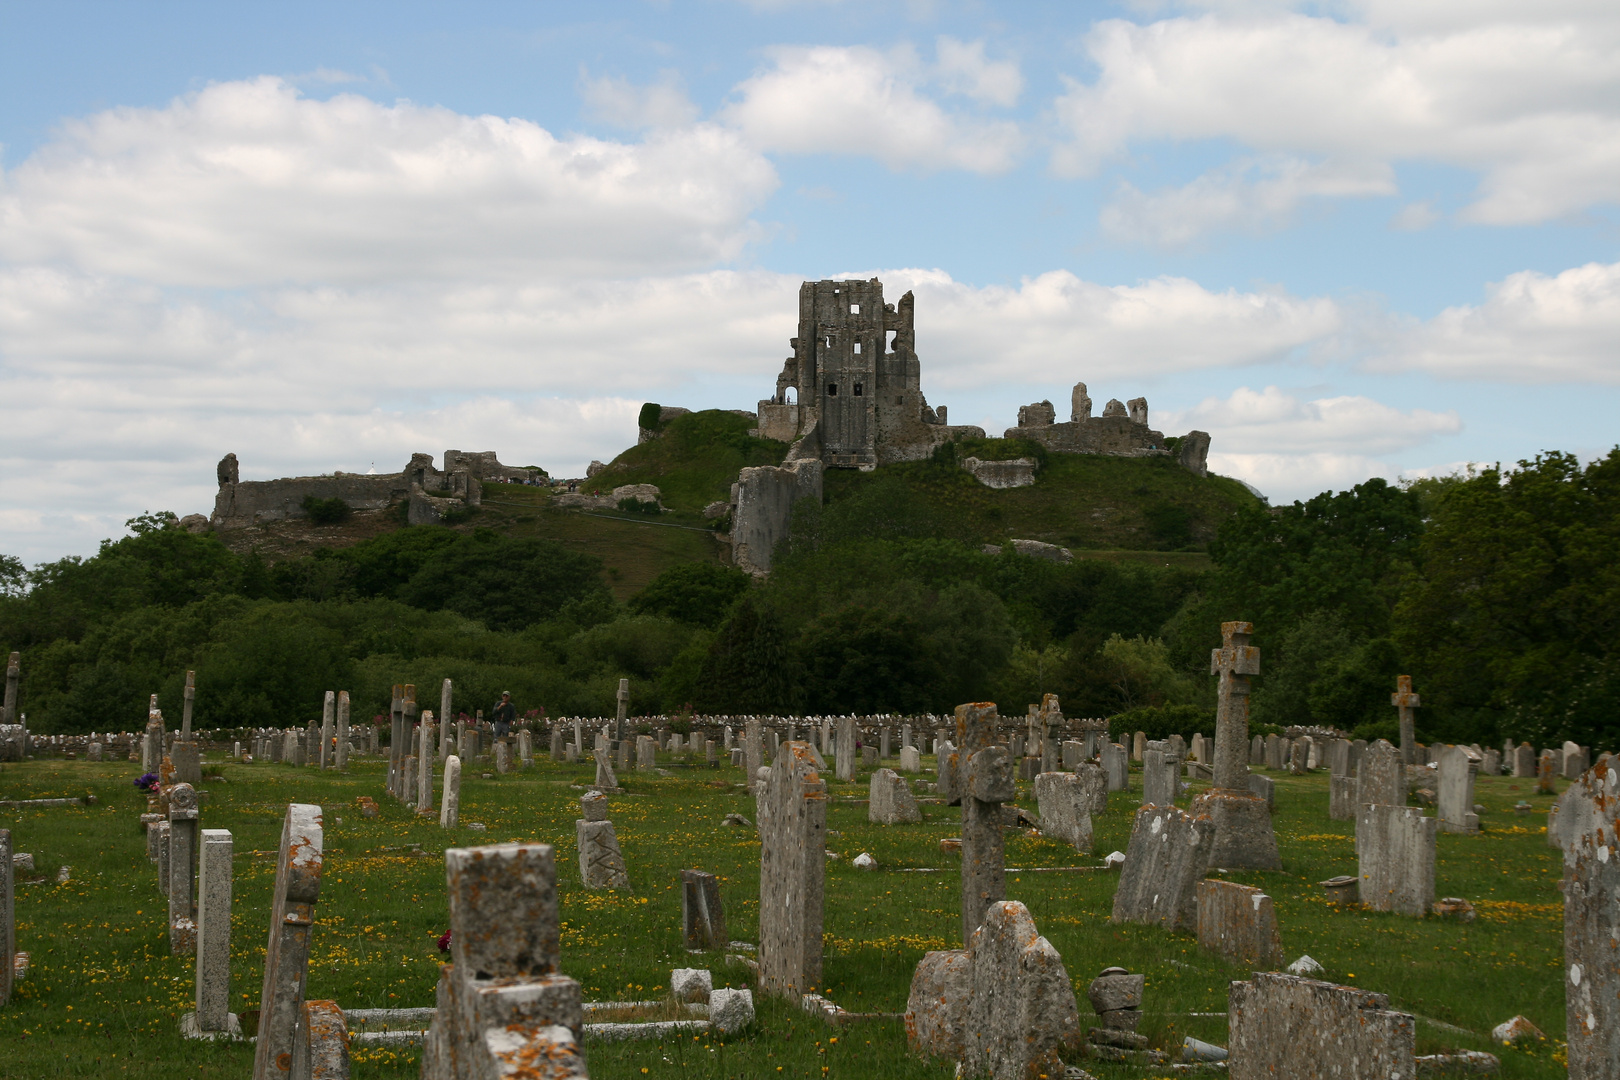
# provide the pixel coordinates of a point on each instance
(762, 503)
(255, 502)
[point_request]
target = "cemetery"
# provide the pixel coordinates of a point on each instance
(886, 896)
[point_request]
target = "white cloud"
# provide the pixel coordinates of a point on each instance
(962, 69)
(1283, 478)
(1532, 328)
(1415, 217)
(1533, 106)
(1248, 194)
(857, 100)
(249, 183)
(622, 103)
(1345, 427)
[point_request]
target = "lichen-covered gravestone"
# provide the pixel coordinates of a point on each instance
(1065, 808)
(8, 932)
(601, 865)
(1456, 799)
(504, 1009)
(1589, 828)
(1239, 922)
(891, 801)
(1381, 777)
(1167, 855)
(1003, 1007)
(1284, 1027)
(1158, 778)
(1244, 837)
(1395, 848)
(1405, 701)
(978, 775)
(183, 842)
(292, 921)
(792, 808)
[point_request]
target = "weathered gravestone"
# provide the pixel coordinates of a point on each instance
(703, 919)
(1575, 761)
(1244, 837)
(1064, 805)
(183, 841)
(504, 1009)
(1547, 773)
(8, 905)
(1239, 922)
(1003, 1007)
(328, 730)
(1164, 861)
(1264, 787)
(1158, 778)
(1395, 851)
(792, 809)
(753, 749)
(1284, 1027)
(1589, 828)
(213, 975)
(844, 766)
(185, 754)
(891, 801)
(8, 712)
(1095, 784)
(321, 1043)
(450, 802)
(1274, 752)
(1405, 701)
(1524, 761)
(1381, 778)
(605, 778)
(601, 865)
(1116, 765)
(286, 959)
(645, 751)
(978, 775)
(910, 759)
(1341, 798)
(341, 758)
(427, 752)
(1456, 796)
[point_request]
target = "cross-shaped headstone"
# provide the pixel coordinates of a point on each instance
(624, 707)
(185, 713)
(979, 775)
(1234, 662)
(1404, 700)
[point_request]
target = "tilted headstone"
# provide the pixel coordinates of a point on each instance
(1064, 805)
(321, 1043)
(1239, 922)
(601, 865)
(1395, 848)
(792, 809)
(891, 801)
(504, 1009)
(213, 974)
(1456, 794)
(703, 918)
(605, 778)
(1287, 1026)
(1589, 828)
(978, 775)
(1167, 856)
(292, 920)
(183, 840)
(450, 800)
(1002, 1007)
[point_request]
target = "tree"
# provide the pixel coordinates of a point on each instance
(697, 593)
(749, 669)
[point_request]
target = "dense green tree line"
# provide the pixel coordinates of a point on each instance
(1498, 592)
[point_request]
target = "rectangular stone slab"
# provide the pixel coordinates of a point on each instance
(1166, 858)
(1283, 1027)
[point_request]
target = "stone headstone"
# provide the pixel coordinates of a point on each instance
(1282, 1025)
(1456, 793)
(1395, 848)
(1575, 761)
(504, 1008)
(1116, 767)
(328, 757)
(450, 797)
(1338, 757)
(1405, 701)
(891, 801)
(1547, 772)
(183, 842)
(299, 862)
(1239, 922)
(1274, 752)
(977, 774)
(1002, 1007)
(1381, 778)
(1590, 837)
(1244, 837)
(556, 743)
(1158, 779)
(213, 974)
(1167, 856)
(1341, 798)
(427, 752)
(1138, 743)
(646, 749)
(1266, 788)
(8, 915)
(1095, 784)
(703, 919)
(341, 758)
(792, 808)
(1492, 765)
(601, 864)
(844, 766)
(1064, 805)
(1524, 761)
(910, 759)
(320, 1043)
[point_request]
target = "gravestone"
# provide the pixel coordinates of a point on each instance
(605, 778)
(152, 744)
(1257, 751)
(213, 974)
(447, 717)
(1116, 767)
(1575, 761)
(1238, 922)
(8, 712)
(342, 759)
(1196, 747)
(622, 703)
(292, 920)
(183, 842)
(1590, 838)
(1158, 778)
(844, 766)
(1064, 805)
(891, 801)
(1073, 753)
(1395, 848)
(8, 916)
(601, 864)
(978, 776)
(753, 749)
(1338, 757)
(1284, 1026)
(646, 761)
(1138, 744)
(1524, 761)
(910, 759)
(1492, 765)
(1095, 784)
(504, 1009)
(792, 810)
(427, 752)
(328, 729)
(450, 801)
(1405, 701)
(703, 919)
(1003, 1007)
(503, 758)
(1244, 837)
(1547, 773)
(321, 1043)
(1299, 751)
(1274, 752)
(1381, 777)
(1456, 794)
(1341, 798)
(1164, 861)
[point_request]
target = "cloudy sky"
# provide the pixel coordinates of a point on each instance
(1356, 238)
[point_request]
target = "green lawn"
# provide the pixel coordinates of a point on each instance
(104, 996)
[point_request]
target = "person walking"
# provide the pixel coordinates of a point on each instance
(504, 715)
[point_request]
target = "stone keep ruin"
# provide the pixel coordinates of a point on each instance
(851, 396)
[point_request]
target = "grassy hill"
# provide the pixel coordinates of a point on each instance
(693, 461)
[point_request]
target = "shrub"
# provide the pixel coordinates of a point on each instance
(1163, 721)
(326, 511)
(636, 506)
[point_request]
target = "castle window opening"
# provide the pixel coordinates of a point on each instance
(854, 309)
(857, 348)
(888, 339)
(857, 389)
(832, 389)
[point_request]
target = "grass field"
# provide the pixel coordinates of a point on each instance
(104, 996)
